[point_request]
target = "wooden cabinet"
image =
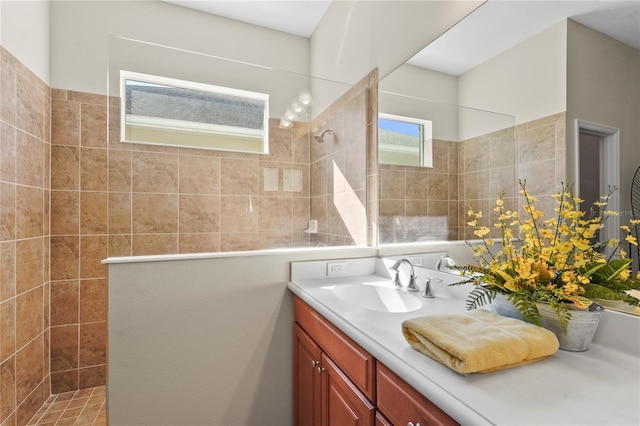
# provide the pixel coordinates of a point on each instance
(306, 378)
(342, 403)
(403, 405)
(354, 361)
(334, 378)
(336, 382)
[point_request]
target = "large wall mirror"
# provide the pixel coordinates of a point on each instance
(517, 108)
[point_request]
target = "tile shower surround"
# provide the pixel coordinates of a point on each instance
(24, 241)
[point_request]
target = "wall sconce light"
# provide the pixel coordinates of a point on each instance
(300, 108)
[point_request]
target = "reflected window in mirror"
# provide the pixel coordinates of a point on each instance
(404, 141)
(166, 111)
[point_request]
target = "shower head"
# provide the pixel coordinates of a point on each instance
(320, 137)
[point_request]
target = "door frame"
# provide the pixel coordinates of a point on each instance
(609, 173)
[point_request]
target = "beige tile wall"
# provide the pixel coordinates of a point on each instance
(78, 241)
(24, 241)
(420, 204)
(116, 199)
(487, 170)
(176, 200)
(339, 167)
(541, 158)
(532, 151)
(471, 174)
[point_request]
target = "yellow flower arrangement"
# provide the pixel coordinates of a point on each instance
(556, 260)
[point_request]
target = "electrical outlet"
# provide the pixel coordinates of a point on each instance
(336, 268)
(415, 260)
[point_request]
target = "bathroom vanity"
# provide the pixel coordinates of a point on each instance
(353, 366)
(337, 381)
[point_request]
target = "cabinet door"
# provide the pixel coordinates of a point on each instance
(403, 405)
(354, 361)
(342, 403)
(306, 378)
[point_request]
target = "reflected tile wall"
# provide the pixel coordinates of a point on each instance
(487, 170)
(532, 151)
(340, 167)
(430, 204)
(540, 152)
(24, 241)
(420, 204)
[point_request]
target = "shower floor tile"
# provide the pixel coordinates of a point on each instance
(83, 407)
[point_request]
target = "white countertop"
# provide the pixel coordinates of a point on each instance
(600, 386)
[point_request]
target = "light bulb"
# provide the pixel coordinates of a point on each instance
(289, 115)
(285, 124)
(297, 108)
(305, 99)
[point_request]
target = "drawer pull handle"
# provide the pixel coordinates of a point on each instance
(315, 363)
(411, 424)
(320, 370)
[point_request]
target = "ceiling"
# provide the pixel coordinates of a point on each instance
(493, 28)
(298, 17)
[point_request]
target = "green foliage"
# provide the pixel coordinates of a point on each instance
(525, 303)
(596, 291)
(562, 312)
(611, 270)
(479, 296)
(605, 282)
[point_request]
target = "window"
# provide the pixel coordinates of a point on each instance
(404, 140)
(166, 111)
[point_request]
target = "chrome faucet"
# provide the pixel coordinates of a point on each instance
(412, 286)
(445, 261)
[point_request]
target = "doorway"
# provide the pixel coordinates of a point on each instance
(598, 170)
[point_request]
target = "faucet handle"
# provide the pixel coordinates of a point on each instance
(412, 286)
(428, 292)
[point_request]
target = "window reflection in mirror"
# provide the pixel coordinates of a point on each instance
(473, 160)
(404, 141)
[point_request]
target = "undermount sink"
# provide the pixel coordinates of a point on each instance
(375, 298)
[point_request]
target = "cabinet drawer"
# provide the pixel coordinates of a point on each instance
(401, 404)
(354, 361)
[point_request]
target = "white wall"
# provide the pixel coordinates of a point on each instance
(604, 88)
(421, 83)
(429, 95)
(527, 81)
(434, 96)
(204, 342)
(355, 37)
(209, 341)
(24, 32)
(80, 31)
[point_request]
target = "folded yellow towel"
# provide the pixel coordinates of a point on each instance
(478, 341)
